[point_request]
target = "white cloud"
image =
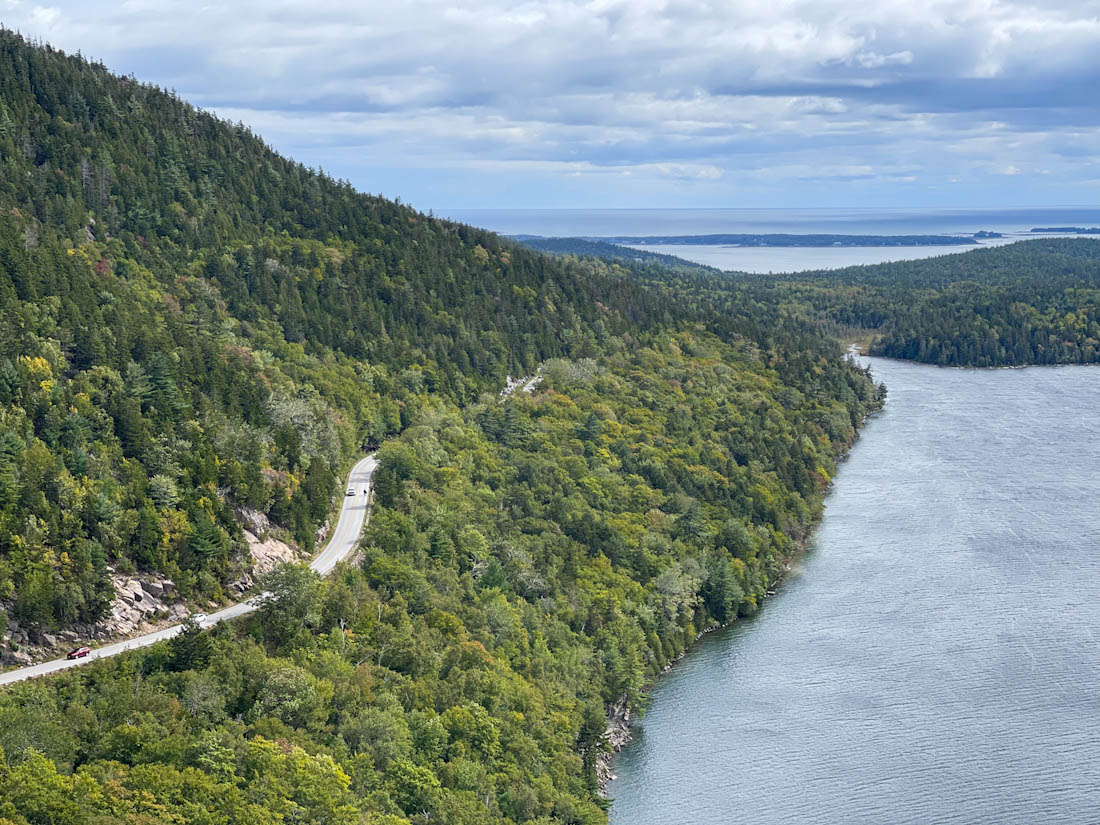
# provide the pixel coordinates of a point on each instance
(680, 94)
(874, 60)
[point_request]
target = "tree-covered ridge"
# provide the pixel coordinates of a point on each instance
(1025, 263)
(1031, 302)
(136, 414)
(682, 475)
(587, 248)
(89, 156)
(529, 562)
(190, 323)
(1035, 302)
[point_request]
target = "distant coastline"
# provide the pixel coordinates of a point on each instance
(779, 240)
(1075, 230)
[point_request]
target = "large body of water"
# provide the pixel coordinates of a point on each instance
(936, 656)
(1014, 223)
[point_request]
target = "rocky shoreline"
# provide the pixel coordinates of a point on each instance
(619, 732)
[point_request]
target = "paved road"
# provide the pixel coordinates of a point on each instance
(342, 544)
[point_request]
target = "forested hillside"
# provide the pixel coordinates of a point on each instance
(612, 252)
(1035, 302)
(1032, 302)
(530, 563)
(189, 322)
(191, 325)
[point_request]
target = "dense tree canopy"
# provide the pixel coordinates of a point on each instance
(1032, 302)
(191, 325)
(530, 561)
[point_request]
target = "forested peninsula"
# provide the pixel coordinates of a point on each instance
(1033, 302)
(1030, 302)
(193, 328)
(609, 251)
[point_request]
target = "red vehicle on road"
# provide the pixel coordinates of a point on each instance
(79, 653)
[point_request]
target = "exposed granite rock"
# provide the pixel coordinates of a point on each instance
(140, 602)
(20, 658)
(266, 555)
(144, 603)
(617, 736)
(253, 520)
(153, 588)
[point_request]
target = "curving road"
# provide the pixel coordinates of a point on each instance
(345, 537)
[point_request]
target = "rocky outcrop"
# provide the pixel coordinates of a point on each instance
(527, 384)
(21, 647)
(264, 551)
(617, 736)
(140, 602)
(269, 554)
(143, 603)
(265, 555)
(253, 520)
(18, 658)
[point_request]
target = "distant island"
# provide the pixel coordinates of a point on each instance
(1076, 230)
(795, 240)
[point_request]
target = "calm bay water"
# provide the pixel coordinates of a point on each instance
(1014, 223)
(775, 259)
(936, 656)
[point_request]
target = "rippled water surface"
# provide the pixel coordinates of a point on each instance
(936, 656)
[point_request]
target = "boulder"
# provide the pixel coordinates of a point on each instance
(129, 590)
(17, 657)
(138, 601)
(255, 520)
(153, 588)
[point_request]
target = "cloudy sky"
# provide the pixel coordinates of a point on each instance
(623, 103)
